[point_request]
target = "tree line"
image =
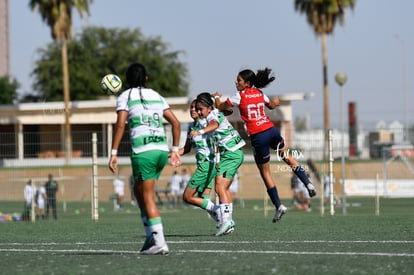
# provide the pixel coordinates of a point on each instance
(93, 53)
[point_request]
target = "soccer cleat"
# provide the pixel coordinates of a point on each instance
(280, 212)
(156, 250)
(149, 242)
(311, 190)
(229, 231)
(226, 228)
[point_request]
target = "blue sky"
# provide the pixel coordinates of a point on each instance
(219, 38)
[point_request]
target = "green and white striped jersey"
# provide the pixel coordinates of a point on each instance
(225, 136)
(203, 144)
(145, 118)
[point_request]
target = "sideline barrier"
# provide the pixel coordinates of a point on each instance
(392, 188)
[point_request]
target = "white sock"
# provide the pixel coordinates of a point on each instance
(158, 234)
(210, 205)
(225, 212)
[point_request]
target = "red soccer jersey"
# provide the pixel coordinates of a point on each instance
(251, 103)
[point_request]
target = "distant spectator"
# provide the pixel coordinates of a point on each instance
(51, 187)
(28, 198)
(119, 189)
(131, 189)
(29, 193)
(234, 187)
(40, 201)
(173, 187)
(294, 182)
(301, 198)
(185, 178)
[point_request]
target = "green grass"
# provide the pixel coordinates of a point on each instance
(301, 243)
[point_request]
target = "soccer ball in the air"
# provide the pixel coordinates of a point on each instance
(111, 84)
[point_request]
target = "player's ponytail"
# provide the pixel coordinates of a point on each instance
(259, 80)
(263, 78)
(136, 77)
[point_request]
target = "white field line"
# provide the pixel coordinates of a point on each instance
(302, 252)
(216, 242)
(108, 251)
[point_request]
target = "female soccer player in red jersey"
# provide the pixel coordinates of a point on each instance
(263, 134)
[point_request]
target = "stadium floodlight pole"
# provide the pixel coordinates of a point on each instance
(341, 79)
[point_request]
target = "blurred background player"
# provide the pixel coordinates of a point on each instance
(40, 200)
(119, 189)
(185, 178)
(173, 187)
(29, 194)
(294, 181)
(131, 190)
(234, 188)
(51, 187)
(301, 198)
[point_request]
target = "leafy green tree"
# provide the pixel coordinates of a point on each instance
(58, 15)
(97, 51)
(8, 90)
(322, 16)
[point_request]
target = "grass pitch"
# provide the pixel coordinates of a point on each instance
(301, 243)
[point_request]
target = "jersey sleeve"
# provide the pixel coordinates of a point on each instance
(234, 100)
(266, 99)
(165, 105)
(122, 102)
(213, 116)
